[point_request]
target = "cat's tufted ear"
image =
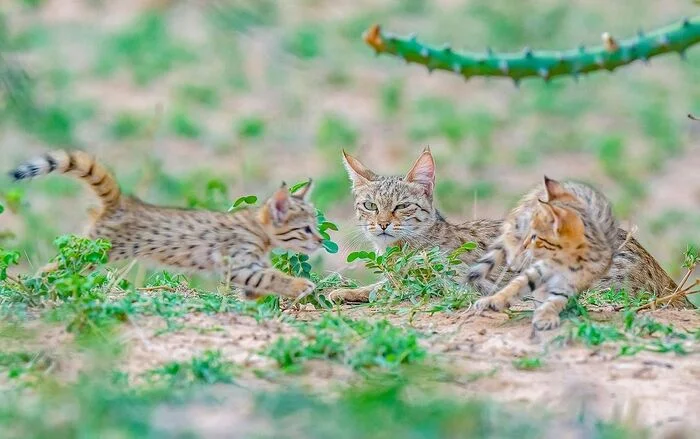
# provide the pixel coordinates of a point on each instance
(554, 189)
(423, 172)
(359, 174)
(279, 204)
(304, 192)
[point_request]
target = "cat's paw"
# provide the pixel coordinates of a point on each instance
(545, 318)
(301, 287)
(349, 295)
(477, 272)
(495, 303)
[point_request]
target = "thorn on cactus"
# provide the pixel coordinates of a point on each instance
(600, 61)
(582, 48)
(456, 68)
(527, 52)
(544, 73)
(516, 83)
(489, 52)
(663, 40)
(609, 43)
(503, 66)
(446, 49)
(686, 22)
(640, 33)
(682, 54)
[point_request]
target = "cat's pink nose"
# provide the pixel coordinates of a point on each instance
(383, 225)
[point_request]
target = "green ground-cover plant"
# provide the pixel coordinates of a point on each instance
(414, 274)
(359, 344)
(632, 333)
(208, 368)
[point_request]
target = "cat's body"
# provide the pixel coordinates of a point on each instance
(235, 244)
(564, 236)
(633, 268)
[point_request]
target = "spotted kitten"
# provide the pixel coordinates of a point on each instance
(568, 231)
(233, 244)
(398, 210)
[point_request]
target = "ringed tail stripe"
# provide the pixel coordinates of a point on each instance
(79, 164)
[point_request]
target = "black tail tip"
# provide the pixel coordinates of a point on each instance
(16, 174)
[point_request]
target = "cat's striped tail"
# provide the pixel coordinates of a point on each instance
(79, 164)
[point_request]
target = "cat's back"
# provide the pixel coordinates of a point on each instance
(136, 218)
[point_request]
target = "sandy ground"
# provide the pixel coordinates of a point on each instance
(659, 391)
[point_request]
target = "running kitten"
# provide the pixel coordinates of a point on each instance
(570, 233)
(233, 244)
(398, 210)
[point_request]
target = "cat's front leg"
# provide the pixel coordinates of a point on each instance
(353, 295)
(546, 315)
(480, 271)
(256, 279)
(519, 286)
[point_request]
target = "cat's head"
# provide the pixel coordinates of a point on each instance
(290, 220)
(393, 209)
(555, 222)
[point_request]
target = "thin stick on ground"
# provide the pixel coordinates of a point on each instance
(677, 293)
(157, 288)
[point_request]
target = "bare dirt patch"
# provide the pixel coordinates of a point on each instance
(651, 389)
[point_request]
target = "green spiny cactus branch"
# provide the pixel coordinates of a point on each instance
(545, 64)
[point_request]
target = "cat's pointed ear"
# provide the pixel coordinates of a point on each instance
(279, 204)
(304, 192)
(554, 189)
(423, 172)
(359, 174)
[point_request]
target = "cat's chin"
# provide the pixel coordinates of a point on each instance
(383, 241)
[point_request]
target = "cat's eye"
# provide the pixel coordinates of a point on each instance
(369, 205)
(308, 230)
(402, 206)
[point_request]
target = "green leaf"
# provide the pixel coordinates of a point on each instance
(330, 246)
(327, 225)
(2, 208)
(298, 186)
(694, 299)
(248, 199)
(352, 256)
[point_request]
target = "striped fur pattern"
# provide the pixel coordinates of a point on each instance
(236, 244)
(568, 232)
(397, 210)
(633, 268)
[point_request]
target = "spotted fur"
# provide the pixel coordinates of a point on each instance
(233, 244)
(632, 269)
(564, 234)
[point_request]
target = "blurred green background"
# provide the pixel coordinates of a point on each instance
(197, 103)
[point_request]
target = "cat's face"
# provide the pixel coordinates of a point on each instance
(291, 221)
(393, 209)
(555, 224)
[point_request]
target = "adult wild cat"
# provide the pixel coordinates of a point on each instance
(394, 210)
(568, 235)
(234, 244)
